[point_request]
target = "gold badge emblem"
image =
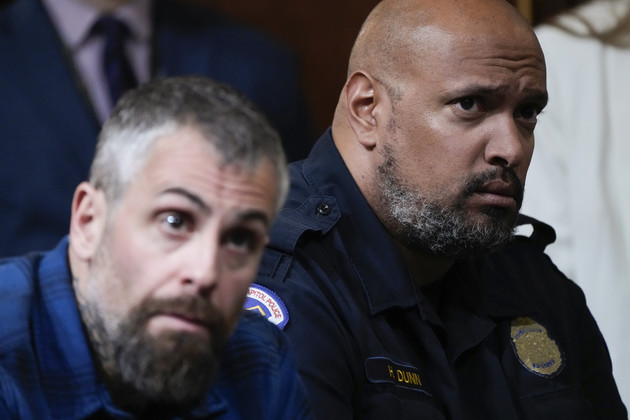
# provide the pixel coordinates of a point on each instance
(538, 352)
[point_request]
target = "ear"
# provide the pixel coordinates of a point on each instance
(364, 103)
(88, 220)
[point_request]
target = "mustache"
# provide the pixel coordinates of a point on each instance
(192, 307)
(476, 182)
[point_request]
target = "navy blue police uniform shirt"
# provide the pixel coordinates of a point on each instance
(510, 336)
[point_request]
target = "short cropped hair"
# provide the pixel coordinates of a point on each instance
(235, 127)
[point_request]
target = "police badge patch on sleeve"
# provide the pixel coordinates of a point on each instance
(536, 351)
(263, 300)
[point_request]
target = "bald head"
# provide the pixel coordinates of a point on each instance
(397, 32)
(400, 37)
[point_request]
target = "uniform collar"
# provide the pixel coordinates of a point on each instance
(376, 260)
(504, 293)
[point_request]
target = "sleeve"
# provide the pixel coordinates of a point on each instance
(12, 404)
(4, 409)
(319, 339)
(293, 402)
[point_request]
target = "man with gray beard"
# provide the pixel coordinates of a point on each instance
(138, 312)
(393, 266)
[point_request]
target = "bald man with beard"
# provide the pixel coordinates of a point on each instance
(394, 267)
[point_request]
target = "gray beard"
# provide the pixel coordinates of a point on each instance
(445, 231)
(172, 368)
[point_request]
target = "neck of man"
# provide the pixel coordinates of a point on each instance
(426, 269)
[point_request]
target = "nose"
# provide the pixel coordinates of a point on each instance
(510, 145)
(200, 266)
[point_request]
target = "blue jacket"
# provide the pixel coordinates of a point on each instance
(512, 338)
(46, 370)
(48, 129)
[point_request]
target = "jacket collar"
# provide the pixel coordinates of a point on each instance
(376, 260)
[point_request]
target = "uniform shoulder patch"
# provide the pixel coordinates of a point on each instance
(265, 301)
(535, 349)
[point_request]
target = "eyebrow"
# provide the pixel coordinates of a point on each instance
(253, 215)
(194, 198)
(535, 95)
(531, 94)
(198, 201)
(476, 89)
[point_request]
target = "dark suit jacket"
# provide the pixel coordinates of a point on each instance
(48, 128)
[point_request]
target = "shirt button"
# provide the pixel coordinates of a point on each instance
(323, 209)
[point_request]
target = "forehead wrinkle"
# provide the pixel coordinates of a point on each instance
(205, 173)
(237, 216)
(521, 53)
(190, 196)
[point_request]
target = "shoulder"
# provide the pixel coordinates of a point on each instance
(306, 263)
(23, 281)
(308, 213)
(526, 252)
(18, 272)
(303, 223)
(302, 264)
(520, 280)
(541, 233)
(17, 294)
(258, 376)
(17, 291)
(17, 277)
(525, 265)
(255, 340)
(13, 404)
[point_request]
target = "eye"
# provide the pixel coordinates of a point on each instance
(528, 112)
(469, 104)
(243, 240)
(176, 221)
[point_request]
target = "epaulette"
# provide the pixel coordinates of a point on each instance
(317, 214)
(542, 235)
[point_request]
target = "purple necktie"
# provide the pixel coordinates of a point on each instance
(118, 71)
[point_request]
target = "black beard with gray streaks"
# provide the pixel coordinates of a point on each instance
(448, 232)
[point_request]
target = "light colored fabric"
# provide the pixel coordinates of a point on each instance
(579, 180)
(74, 20)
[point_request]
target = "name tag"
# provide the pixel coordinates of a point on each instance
(384, 370)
